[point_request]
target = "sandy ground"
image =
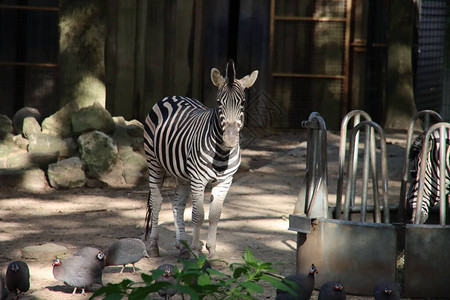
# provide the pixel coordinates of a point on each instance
(255, 215)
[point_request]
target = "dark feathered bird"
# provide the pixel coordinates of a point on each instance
(3, 291)
(126, 251)
(167, 276)
(386, 290)
(94, 254)
(332, 290)
(18, 277)
(305, 285)
(77, 271)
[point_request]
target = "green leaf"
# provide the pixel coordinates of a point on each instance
(281, 285)
(214, 272)
(113, 297)
(147, 278)
(251, 286)
(238, 272)
(203, 279)
(249, 258)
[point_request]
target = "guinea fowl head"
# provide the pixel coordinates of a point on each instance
(100, 256)
(313, 270)
(56, 262)
(338, 287)
(15, 267)
(387, 290)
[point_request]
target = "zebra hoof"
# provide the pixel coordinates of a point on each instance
(184, 252)
(153, 252)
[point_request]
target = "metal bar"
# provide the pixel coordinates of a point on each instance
(26, 64)
(317, 76)
(367, 149)
(442, 174)
(342, 153)
(346, 63)
(24, 7)
(405, 178)
(309, 19)
(373, 159)
(352, 171)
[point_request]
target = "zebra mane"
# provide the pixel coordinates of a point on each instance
(231, 73)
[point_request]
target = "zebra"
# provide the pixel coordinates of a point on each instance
(431, 188)
(197, 145)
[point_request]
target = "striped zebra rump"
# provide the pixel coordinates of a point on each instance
(431, 185)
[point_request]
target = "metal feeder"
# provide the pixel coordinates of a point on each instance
(362, 253)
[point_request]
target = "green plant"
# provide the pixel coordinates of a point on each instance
(203, 283)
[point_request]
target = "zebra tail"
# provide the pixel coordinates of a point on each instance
(148, 218)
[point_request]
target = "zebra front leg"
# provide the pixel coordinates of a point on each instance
(218, 194)
(198, 215)
(178, 207)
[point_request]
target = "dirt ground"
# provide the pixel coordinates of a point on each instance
(255, 214)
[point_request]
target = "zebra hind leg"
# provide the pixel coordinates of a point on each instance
(155, 200)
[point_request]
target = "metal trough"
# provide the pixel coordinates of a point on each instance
(362, 253)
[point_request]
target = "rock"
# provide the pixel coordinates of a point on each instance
(34, 180)
(21, 114)
(19, 160)
(43, 159)
(59, 124)
(135, 128)
(7, 147)
(98, 152)
(5, 126)
(41, 142)
(45, 252)
(90, 118)
(66, 174)
(21, 142)
(135, 166)
(30, 126)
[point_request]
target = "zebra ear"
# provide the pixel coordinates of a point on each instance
(216, 78)
(249, 80)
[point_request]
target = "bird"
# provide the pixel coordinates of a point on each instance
(17, 277)
(304, 288)
(3, 291)
(78, 272)
(386, 290)
(126, 251)
(96, 255)
(332, 290)
(167, 276)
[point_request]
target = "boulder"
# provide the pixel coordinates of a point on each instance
(5, 126)
(134, 166)
(66, 174)
(21, 142)
(45, 252)
(59, 123)
(98, 152)
(23, 113)
(94, 117)
(30, 126)
(41, 142)
(8, 147)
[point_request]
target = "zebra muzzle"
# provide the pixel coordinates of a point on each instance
(231, 135)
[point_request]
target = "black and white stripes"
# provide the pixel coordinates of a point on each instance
(197, 145)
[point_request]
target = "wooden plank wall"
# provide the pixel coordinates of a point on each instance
(158, 48)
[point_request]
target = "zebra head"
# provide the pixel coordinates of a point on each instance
(231, 99)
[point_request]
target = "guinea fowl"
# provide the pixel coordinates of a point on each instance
(18, 277)
(78, 272)
(126, 251)
(96, 255)
(304, 288)
(332, 290)
(169, 270)
(386, 290)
